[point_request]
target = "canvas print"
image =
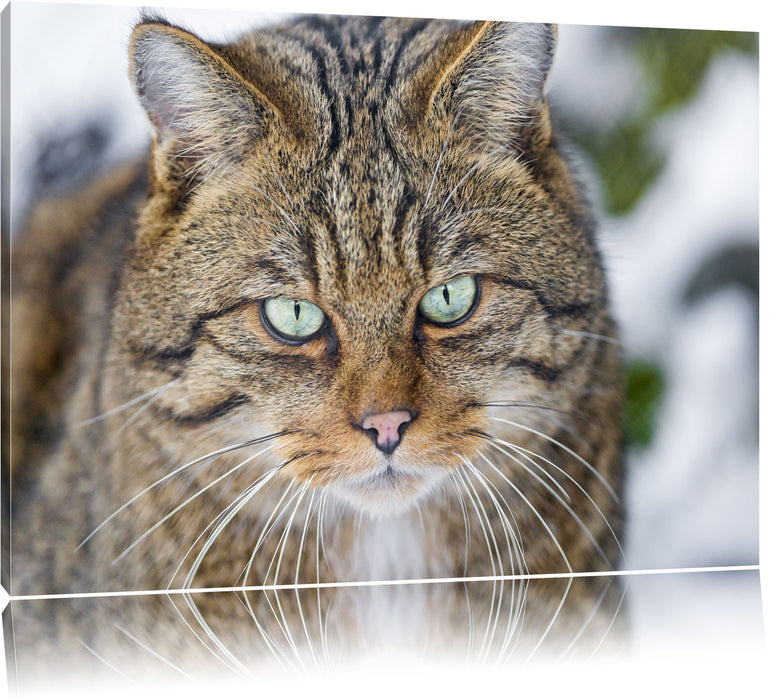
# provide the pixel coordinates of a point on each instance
(336, 336)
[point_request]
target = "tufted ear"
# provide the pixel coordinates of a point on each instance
(205, 115)
(492, 75)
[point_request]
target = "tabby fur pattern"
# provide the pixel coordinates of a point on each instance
(165, 439)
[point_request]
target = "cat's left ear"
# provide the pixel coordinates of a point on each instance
(205, 115)
(492, 76)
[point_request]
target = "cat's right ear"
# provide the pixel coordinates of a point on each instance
(492, 76)
(204, 115)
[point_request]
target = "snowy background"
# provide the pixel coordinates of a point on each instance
(692, 496)
(682, 257)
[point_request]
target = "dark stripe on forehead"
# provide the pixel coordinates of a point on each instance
(391, 149)
(373, 25)
(406, 39)
(402, 233)
(325, 87)
(349, 114)
(377, 54)
(321, 211)
(332, 34)
(274, 269)
(424, 243)
(405, 204)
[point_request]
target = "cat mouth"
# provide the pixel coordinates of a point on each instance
(388, 478)
(387, 491)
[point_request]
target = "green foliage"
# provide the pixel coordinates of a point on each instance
(625, 163)
(674, 62)
(644, 385)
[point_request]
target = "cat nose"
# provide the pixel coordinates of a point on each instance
(386, 429)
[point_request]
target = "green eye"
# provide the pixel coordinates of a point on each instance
(451, 302)
(292, 320)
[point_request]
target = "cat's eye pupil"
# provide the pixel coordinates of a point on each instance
(450, 303)
(292, 321)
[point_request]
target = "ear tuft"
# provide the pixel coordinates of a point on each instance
(502, 85)
(204, 114)
(496, 74)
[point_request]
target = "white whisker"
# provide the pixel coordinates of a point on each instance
(153, 653)
(465, 515)
(283, 629)
(536, 513)
(159, 523)
(592, 336)
(318, 546)
(219, 657)
(574, 516)
(271, 522)
(513, 545)
(552, 621)
(470, 616)
(226, 655)
(525, 452)
(496, 442)
(137, 413)
(281, 546)
(565, 449)
(104, 661)
(612, 621)
(495, 602)
(305, 629)
(586, 494)
(271, 644)
(153, 393)
(219, 523)
(210, 455)
(584, 625)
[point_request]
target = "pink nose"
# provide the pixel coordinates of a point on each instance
(386, 429)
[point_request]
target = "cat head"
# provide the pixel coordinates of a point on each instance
(359, 237)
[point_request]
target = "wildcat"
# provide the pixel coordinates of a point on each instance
(347, 323)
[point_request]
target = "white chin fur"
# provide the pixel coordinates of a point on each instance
(388, 493)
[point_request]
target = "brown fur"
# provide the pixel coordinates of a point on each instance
(356, 164)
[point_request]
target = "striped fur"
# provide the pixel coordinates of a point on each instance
(354, 163)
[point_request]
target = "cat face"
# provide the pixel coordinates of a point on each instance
(361, 261)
